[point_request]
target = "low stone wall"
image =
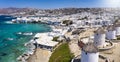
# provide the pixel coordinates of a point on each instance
(107, 48)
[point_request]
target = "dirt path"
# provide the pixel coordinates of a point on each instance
(113, 54)
(40, 56)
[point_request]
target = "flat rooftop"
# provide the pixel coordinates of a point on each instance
(44, 39)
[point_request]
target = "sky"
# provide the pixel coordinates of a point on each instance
(47, 4)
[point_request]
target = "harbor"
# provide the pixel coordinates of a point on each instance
(12, 44)
(87, 37)
(59, 30)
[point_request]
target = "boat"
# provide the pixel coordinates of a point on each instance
(9, 39)
(19, 33)
(28, 33)
(25, 33)
(9, 22)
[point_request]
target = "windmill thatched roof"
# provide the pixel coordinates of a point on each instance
(90, 48)
(110, 28)
(100, 31)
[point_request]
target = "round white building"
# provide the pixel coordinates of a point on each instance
(111, 33)
(89, 53)
(99, 37)
(117, 28)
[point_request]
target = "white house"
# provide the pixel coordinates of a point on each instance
(57, 32)
(45, 41)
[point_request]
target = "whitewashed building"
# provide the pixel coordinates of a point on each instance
(44, 41)
(99, 37)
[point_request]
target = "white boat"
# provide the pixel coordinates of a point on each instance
(19, 33)
(10, 39)
(9, 22)
(28, 33)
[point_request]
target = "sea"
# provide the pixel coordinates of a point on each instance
(12, 43)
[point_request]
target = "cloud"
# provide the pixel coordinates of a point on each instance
(111, 3)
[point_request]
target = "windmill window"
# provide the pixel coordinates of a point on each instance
(86, 53)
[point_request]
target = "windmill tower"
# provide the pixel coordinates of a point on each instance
(89, 53)
(99, 37)
(111, 33)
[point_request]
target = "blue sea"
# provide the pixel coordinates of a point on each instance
(12, 44)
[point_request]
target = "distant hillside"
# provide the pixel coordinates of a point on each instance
(13, 10)
(63, 11)
(68, 11)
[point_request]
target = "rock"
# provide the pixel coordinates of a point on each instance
(3, 54)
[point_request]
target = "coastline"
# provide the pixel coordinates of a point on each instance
(41, 53)
(28, 53)
(15, 36)
(34, 53)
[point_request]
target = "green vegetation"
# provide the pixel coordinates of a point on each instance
(62, 54)
(55, 38)
(118, 38)
(65, 21)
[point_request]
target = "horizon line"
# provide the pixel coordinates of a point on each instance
(56, 8)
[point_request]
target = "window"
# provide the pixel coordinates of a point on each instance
(86, 53)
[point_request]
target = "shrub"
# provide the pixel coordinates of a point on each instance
(55, 38)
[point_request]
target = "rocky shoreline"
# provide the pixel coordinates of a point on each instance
(31, 49)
